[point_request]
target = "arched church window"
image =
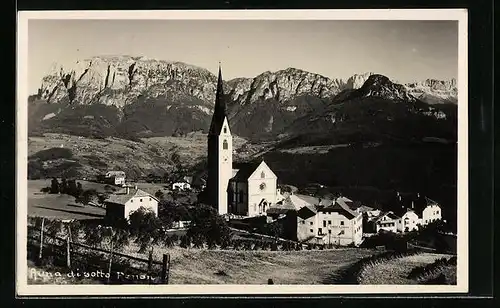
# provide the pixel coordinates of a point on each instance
(224, 144)
(262, 175)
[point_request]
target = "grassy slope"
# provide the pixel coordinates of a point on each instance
(196, 266)
(396, 271)
(89, 156)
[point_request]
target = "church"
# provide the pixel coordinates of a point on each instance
(245, 189)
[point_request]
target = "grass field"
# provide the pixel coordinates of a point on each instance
(58, 206)
(201, 266)
(397, 270)
(64, 206)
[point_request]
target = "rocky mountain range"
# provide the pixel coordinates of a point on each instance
(138, 97)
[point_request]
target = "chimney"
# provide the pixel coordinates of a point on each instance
(128, 190)
(135, 187)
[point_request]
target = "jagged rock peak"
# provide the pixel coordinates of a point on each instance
(381, 86)
(356, 81)
(283, 85)
(91, 80)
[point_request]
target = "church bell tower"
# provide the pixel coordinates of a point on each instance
(220, 153)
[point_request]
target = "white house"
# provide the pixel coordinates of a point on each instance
(122, 203)
(431, 213)
(336, 223)
(387, 221)
(181, 186)
(408, 222)
(115, 177)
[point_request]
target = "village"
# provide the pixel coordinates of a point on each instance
(340, 221)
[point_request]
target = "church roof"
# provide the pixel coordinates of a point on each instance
(244, 170)
(220, 108)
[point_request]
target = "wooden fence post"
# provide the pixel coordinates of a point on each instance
(41, 239)
(150, 265)
(68, 254)
(110, 261)
(165, 271)
(68, 248)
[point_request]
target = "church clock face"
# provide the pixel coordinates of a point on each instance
(262, 186)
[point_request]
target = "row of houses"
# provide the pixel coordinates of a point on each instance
(339, 221)
(183, 183)
(343, 222)
(406, 217)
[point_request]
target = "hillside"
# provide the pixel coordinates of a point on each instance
(76, 156)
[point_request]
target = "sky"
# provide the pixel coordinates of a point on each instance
(404, 51)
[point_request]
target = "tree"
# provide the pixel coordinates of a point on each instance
(54, 187)
(63, 186)
(143, 221)
(71, 188)
(159, 194)
(79, 189)
(208, 225)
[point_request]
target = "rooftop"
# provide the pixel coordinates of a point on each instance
(121, 196)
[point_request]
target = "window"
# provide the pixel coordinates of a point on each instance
(262, 175)
(140, 200)
(329, 222)
(303, 222)
(131, 200)
(320, 231)
(312, 231)
(329, 231)
(341, 222)
(225, 130)
(311, 223)
(224, 144)
(324, 223)
(437, 212)
(150, 199)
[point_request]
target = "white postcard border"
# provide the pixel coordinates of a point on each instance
(23, 289)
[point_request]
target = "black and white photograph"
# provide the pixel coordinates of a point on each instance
(173, 152)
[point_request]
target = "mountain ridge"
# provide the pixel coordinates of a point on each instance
(143, 97)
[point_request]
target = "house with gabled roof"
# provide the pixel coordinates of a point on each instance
(387, 221)
(127, 200)
(328, 221)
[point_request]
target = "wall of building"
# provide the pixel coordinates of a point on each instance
(225, 166)
(306, 228)
(239, 198)
(387, 224)
(136, 202)
(408, 222)
(322, 221)
(256, 194)
(431, 213)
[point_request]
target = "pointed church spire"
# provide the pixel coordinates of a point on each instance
(220, 107)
